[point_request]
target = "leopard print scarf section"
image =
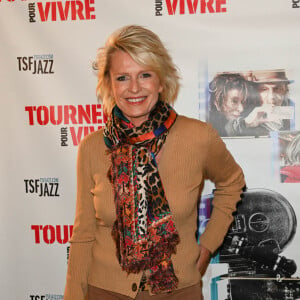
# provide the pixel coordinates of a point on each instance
(144, 231)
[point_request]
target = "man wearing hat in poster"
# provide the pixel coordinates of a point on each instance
(276, 108)
(271, 109)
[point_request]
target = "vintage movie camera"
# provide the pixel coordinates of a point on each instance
(264, 224)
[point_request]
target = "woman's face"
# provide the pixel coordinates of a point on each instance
(233, 104)
(134, 87)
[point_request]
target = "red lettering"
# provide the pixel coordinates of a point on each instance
(97, 113)
(42, 115)
(63, 12)
(71, 230)
(77, 137)
(172, 7)
(208, 4)
(84, 114)
(65, 114)
(30, 110)
(58, 234)
(46, 230)
(36, 229)
(52, 234)
(89, 10)
(53, 119)
(88, 130)
(219, 7)
(44, 12)
(53, 11)
(70, 113)
(11, 0)
(77, 11)
(192, 7)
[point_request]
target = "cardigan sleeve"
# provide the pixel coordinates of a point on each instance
(83, 234)
(226, 174)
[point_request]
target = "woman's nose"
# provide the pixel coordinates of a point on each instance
(240, 108)
(134, 86)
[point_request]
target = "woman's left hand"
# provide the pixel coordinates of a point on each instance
(203, 260)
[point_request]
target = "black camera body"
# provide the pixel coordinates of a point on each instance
(264, 224)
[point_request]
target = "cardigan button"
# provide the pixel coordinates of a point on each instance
(134, 287)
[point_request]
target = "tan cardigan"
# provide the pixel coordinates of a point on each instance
(192, 153)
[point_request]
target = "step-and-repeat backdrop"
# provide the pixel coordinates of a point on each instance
(240, 68)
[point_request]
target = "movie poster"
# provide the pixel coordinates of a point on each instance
(250, 103)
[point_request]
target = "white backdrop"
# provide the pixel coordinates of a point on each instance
(46, 72)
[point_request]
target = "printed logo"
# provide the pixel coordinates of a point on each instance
(183, 7)
(43, 187)
(49, 234)
(158, 7)
(68, 253)
(295, 3)
(46, 297)
(36, 64)
(90, 115)
(54, 297)
(11, 0)
(61, 11)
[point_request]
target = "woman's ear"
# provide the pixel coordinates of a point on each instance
(161, 88)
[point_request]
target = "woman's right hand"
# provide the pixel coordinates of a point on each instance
(203, 259)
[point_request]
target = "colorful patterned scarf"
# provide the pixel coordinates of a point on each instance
(144, 230)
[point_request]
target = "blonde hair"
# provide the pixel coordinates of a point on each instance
(146, 49)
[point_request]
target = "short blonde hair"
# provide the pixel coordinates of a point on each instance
(146, 49)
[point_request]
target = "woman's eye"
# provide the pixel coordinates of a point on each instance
(146, 75)
(121, 78)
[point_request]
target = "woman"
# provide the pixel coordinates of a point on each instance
(139, 182)
(228, 95)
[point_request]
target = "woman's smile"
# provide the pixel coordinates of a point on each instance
(135, 87)
(136, 100)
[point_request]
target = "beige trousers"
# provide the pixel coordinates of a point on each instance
(193, 292)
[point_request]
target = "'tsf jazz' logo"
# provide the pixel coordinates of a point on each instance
(43, 187)
(46, 297)
(37, 64)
